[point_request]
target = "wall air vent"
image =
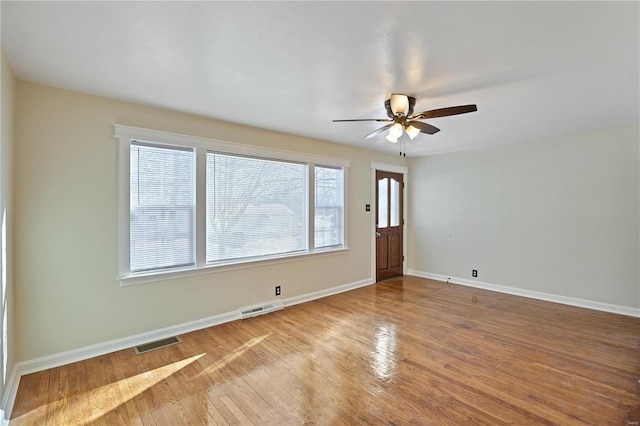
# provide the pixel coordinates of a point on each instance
(140, 349)
(260, 310)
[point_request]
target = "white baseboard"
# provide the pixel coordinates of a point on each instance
(80, 354)
(327, 292)
(9, 397)
(589, 304)
(74, 355)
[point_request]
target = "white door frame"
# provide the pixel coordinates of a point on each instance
(405, 173)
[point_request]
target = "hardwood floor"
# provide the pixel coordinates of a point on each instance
(404, 351)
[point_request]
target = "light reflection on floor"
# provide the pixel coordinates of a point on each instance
(384, 356)
(233, 355)
(129, 388)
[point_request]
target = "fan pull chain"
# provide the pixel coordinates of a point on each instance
(403, 151)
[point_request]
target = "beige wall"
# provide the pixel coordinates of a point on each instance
(66, 226)
(557, 216)
(7, 309)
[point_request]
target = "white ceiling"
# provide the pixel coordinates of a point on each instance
(535, 69)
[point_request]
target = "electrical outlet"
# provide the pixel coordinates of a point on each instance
(474, 273)
(277, 290)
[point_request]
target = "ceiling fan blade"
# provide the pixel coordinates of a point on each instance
(380, 130)
(424, 127)
(363, 119)
(444, 112)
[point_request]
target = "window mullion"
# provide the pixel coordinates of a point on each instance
(311, 206)
(199, 233)
(125, 209)
(344, 196)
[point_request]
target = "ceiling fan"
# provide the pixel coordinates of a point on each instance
(402, 118)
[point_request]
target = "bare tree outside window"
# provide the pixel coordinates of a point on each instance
(255, 207)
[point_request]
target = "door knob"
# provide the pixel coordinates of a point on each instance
(378, 234)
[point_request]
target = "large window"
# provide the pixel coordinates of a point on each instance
(255, 207)
(187, 204)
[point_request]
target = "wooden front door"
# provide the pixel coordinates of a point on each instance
(389, 223)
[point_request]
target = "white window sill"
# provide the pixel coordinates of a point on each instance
(135, 279)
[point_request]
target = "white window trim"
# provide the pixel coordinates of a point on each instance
(125, 134)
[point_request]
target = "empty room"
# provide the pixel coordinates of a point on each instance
(327, 213)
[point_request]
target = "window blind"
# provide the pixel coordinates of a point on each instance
(329, 206)
(255, 207)
(162, 204)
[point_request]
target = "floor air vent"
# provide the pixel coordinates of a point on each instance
(140, 349)
(262, 309)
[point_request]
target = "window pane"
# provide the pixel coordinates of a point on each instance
(162, 207)
(395, 203)
(329, 207)
(255, 207)
(383, 202)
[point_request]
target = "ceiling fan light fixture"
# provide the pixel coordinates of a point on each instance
(396, 131)
(412, 131)
(399, 104)
(392, 139)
